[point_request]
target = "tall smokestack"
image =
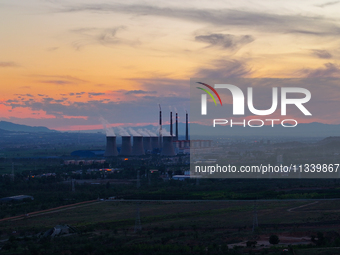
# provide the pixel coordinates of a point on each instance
(171, 123)
(168, 147)
(126, 149)
(111, 147)
(176, 126)
(137, 147)
(160, 126)
(186, 127)
(160, 116)
(147, 143)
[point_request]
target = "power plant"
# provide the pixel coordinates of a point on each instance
(165, 143)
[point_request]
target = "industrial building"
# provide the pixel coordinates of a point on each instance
(166, 145)
(19, 198)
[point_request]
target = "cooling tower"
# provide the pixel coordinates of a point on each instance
(126, 149)
(111, 147)
(154, 142)
(138, 148)
(168, 147)
(147, 143)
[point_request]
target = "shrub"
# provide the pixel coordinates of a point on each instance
(274, 239)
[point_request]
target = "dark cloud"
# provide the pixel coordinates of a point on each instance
(222, 69)
(28, 95)
(267, 22)
(149, 97)
(322, 54)
(12, 101)
(139, 92)
(48, 99)
(8, 64)
(96, 94)
(225, 41)
(80, 93)
(329, 70)
(41, 95)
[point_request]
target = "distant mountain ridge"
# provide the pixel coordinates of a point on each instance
(9, 126)
(314, 129)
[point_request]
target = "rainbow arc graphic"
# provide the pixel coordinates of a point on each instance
(209, 93)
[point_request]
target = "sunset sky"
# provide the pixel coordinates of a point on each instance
(67, 64)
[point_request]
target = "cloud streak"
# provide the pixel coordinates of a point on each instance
(102, 36)
(260, 21)
(225, 41)
(322, 54)
(329, 70)
(8, 64)
(60, 79)
(221, 69)
(328, 4)
(140, 92)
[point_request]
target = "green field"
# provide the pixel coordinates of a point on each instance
(198, 223)
(201, 215)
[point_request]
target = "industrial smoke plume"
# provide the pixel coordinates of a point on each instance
(106, 125)
(123, 132)
(163, 132)
(151, 133)
(143, 132)
(134, 132)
